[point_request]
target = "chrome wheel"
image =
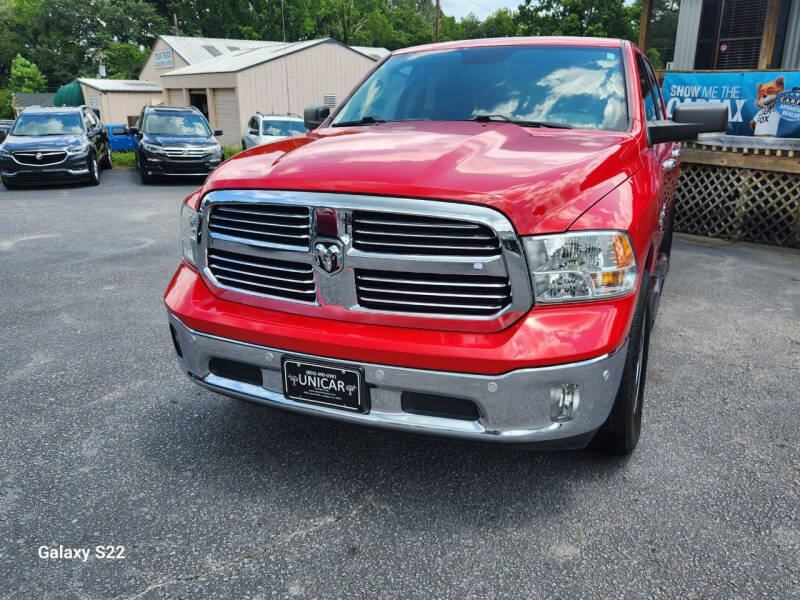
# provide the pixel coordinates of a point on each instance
(94, 170)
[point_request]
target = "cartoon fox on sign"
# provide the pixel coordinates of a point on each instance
(765, 123)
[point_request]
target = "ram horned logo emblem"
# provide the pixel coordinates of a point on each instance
(328, 256)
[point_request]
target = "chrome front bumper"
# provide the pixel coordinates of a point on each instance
(515, 407)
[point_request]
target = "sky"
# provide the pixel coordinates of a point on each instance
(481, 8)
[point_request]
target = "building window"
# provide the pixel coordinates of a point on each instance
(329, 100)
(732, 31)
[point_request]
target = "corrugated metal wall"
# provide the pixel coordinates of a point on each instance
(791, 47)
(149, 71)
(328, 68)
(174, 97)
(228, 115)
(686, 36)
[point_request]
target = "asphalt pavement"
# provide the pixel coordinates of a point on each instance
(104, 442)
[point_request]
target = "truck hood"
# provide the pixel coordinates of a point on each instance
(542, 178)
(16, 143)
(179, 141)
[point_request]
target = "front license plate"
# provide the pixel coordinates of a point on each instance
(328, 384)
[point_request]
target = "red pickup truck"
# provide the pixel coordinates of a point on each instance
(472, 245)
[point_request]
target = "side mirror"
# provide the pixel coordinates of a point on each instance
(710, 118)
(217, 132)
(688, 120)
(134, 131)
(254, 132)
(315, 115)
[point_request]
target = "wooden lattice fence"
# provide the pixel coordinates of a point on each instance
(740, 196)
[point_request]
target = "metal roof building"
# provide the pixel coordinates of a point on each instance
(120, 100)
(22, 100)
(273, 78)
(229, 80)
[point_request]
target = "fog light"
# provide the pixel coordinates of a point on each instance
(564, 402)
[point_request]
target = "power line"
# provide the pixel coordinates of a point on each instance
(480, 5)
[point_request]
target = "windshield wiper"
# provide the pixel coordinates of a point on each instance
(488, 118)
(542, 124)
(504, 119)
(368, 120)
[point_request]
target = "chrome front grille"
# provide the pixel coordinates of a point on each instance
(441, 294)
(276, 278)
(415, 234)
(274, 249)
(185, 152)
(37, 159)
(288, 226)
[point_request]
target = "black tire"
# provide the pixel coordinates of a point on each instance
(146, 179)
(106, 162)
(243, 145)
(94, 170)
(620, 433)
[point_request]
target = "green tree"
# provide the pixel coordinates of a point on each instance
(6, 112)
(501, 23)
(599, 18)
(64, 37)
(471, 27)
(663, 26)
(25, 76)
(450, 29)
(124, 60)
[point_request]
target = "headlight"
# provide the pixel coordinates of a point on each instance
(189, 229)
(581, 265)
(77, 148)
(213, 149)
(153, 148)
(4, 152)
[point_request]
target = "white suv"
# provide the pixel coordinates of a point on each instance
(261, 129)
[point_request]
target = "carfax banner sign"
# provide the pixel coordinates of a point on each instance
(762, 103)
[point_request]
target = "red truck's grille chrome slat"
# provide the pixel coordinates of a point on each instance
(277, 278)
(383, 232)
(440, 294)
(285, 225)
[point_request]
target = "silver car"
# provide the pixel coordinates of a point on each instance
(262, 129)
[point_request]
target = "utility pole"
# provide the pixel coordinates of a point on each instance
(436, 23)
(175, 22)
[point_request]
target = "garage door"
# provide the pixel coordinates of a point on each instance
(175, 98)
(228, 115)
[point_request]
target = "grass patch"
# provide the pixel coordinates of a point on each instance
(127, 159)
(231, 151)
(123, 160)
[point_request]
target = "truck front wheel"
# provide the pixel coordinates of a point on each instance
(620, 433)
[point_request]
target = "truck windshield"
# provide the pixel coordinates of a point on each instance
(48, 124)
(552, 85)
(176, 124)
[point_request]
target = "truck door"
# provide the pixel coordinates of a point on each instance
(664, 156)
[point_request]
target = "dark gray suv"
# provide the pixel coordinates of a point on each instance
(55, 144)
